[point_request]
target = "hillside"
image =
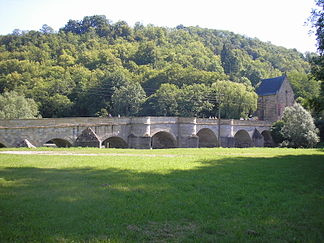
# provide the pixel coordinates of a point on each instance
(94, 67)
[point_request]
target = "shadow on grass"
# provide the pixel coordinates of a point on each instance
(232, 199)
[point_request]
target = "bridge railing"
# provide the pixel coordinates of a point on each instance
(91, 121)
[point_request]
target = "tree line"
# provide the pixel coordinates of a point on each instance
(94, 67)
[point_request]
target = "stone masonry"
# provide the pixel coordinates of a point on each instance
(135, 132)
(274, 95)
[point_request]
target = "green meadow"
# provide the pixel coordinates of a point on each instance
(173, 195)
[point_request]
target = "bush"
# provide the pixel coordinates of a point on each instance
(298, 128)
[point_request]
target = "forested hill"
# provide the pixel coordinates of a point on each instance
(93, 66)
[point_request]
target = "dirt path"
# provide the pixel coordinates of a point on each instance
(79, 154)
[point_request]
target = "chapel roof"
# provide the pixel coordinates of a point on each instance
(270, 86)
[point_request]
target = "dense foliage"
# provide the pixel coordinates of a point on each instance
(276, 133)
(317, 21)
(14, 106)
(95, 67)
(316, 103)
(296, 129)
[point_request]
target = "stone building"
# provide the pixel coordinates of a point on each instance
(274, 95)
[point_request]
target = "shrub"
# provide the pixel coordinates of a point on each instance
(276, 132)
(298, 128)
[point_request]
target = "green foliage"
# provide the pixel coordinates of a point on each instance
(317, 21)
(97, 23)
(316, 103)
(165, 100)
(15, 106)
(102, 113)
(230, 61)
(303, 84)
(193, 100)
(317, 62)
(236, 100)
(87, 60)
(298, 128)
(56, 106)
(47, 29)
(146, 54)
(320, 125)
(127, 100)
(276, 133)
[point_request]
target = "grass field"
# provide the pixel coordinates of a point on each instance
(175, 195)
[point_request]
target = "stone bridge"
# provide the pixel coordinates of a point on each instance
(135, 132)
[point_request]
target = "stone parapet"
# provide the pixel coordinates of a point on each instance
(62, 122)
(251, 123)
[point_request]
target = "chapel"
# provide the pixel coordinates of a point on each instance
(274, 95)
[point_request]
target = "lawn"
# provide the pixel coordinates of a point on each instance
(175, 195)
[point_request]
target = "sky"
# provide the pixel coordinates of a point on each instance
(281, 22)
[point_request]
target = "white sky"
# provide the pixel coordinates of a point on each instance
(279, 21)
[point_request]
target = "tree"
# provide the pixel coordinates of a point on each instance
(236, 100)
(47, 29)
(317, 21)
(15, 106)
(56, 106)
(299, 129)
(127, 100)
(72, 26)
(83, 63)
(229, 60)
(165, 98)
(193, 100)
(146, 54)
(65, 59)
(97, 23)
(303, 85)
(121, 29)
(317, 63)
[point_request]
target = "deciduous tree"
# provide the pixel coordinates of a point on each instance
(236, 100)
(127, 100)
(15, 106)
(299, 129)
(166, 100)
(193, 100)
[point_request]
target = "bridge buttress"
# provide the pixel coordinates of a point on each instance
(187, 132)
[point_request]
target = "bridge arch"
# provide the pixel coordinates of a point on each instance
(162, 140)
(58, 142)
(114, 142)
(257, 138)
(242, 139)
(3, 142)
(207, 138)
(268, 141)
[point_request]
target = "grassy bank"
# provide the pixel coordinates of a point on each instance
(175, 195)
